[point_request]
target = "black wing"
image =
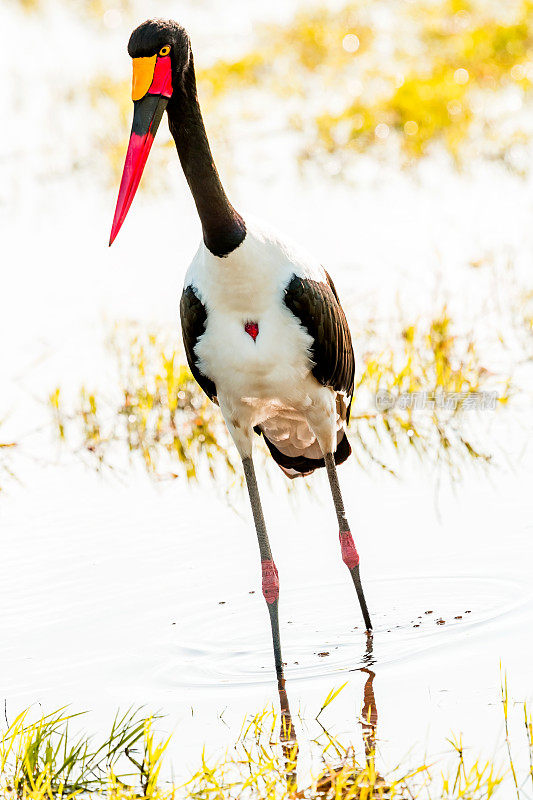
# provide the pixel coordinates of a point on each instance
(317, 306)
(193, 319)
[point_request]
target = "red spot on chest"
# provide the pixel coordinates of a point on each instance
(252, 329)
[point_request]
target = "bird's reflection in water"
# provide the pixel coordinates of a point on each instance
(369, 713)
(347, 773)
(289, 743)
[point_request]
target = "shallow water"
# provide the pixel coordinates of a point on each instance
(113, 595)
(322, 647)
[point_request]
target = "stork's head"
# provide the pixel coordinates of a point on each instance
(160, 51)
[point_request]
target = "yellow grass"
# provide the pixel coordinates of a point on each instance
(41, 760)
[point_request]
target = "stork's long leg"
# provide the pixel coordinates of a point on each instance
(350, 555)
(270, 578)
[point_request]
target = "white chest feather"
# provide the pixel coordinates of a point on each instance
(247, 286)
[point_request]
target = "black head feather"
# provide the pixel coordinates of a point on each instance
(152, 35)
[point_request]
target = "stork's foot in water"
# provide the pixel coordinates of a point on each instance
(350, 556)
(362, 602)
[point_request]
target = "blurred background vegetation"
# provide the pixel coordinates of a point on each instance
(401, 79)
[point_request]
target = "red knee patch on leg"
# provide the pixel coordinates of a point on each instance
(270, 581)
(350, 556)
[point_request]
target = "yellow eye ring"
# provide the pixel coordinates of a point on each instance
(165, 50)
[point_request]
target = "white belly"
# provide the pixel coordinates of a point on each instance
(275, 369)
(268, 382)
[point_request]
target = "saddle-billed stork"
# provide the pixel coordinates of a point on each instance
(264, 332)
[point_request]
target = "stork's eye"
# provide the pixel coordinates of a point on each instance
(165, 50)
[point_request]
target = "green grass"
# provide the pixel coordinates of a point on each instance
(40, 757)
(41, 760)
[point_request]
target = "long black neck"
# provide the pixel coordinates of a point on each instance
(223, 228)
